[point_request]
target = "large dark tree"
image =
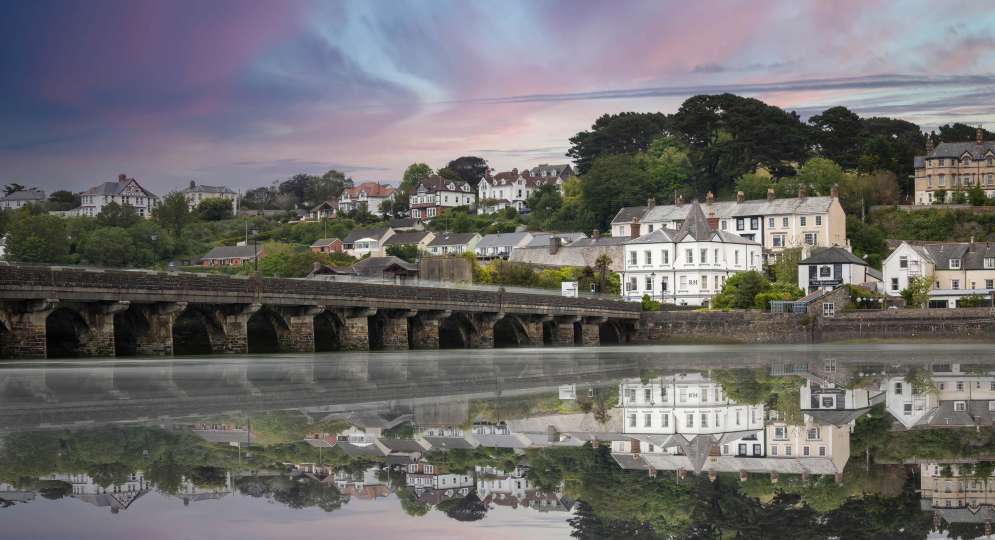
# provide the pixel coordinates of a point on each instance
(470, 169)
(469, 508)
(958, 132)
(623, 133)
(892, 145)
(63, 200)
(728, 136)
(838, 133)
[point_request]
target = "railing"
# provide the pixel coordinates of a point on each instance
(416, 282)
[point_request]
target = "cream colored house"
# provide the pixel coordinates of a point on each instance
(954, 166)
(810, 441)
(777, 224)
(958, 269)
(960, 399)
(960, 489)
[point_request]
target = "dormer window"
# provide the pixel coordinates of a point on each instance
(960, 406)
(955, 264)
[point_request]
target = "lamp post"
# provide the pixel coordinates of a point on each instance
(652, 284)
(255, 250)
(155, 259)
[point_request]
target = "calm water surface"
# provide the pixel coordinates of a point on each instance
(855, 441)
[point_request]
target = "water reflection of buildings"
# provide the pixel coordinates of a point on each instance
(10, 494)
(955, 494)
(952, 397)
(117, 497)
(512, 489)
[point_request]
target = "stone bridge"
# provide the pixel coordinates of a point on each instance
(70, 312)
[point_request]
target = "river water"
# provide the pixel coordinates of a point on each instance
(608, 442)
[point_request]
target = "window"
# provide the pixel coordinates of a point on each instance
(955, 264)
(778, 240)
(770, 223)
(805, 451)
(684, 283)
(704, 420)
(647, 395)
(632, 258)
(989, 284)
(704, 281)
(689, 254)
(665, 420)
(822, 451)
(811, 238)
(801, 221)
(754, 223)
(735, 256)
(908, 409)
(813, 434)
(818, 220)
(740, 224)
(898, 388)
(648, 255)
(632, 420)
(631, 285)
(690, 421)
(787, 450)
(682, 395)
(704, 256)
(784, 222)
(960, 406)
(647, 420)
(960, 386)
(773, 450)
(955, 284)
(943, 180)
(650, 227)
(903, 261)
(780, 432)
(665, 257)
(991, 405)
(630, 395)
(929, 180)
(828, 309)
(894, 283)
(989, 262)
(724, 225)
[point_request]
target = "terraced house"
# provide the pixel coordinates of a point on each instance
(958, 269)
(952, 167)
(776, 224)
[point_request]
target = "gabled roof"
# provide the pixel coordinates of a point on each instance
(115, 188)
(503, 239)
(321, 242)
(359, 234)
(435, 183)
(30, 194)
(333, 203)
(656, 237)
(726, 209)
(958, 149)
(408, 237)
(833, 255)
(233, 252)
(452, 239)
(372, 189)
(200, 188)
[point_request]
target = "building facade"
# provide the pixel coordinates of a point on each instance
(368, 195)
(829, 268)
(195, 194)
(435, 194)
(958, 270)
(21, 198)
(952, 167)
(686, 266)
(124, 191)
(511, 189)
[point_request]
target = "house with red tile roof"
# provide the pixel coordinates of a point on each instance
(370, 195)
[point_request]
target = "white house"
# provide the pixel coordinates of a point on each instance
(500, 245)
(124, 191)
(510, 189)
(958, 269)
(369, 195)
(22, 197)
(195, 194)
(435, 194)
(362, 242)
(686, 266)
(828, 268)
(453, 243)
(957, 399)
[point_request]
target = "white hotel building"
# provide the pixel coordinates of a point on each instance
(686, 266)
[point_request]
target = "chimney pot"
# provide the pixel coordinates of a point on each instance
(651, 202)
(972, 244)
(122, 177)
(634, 228)
(770, 194)
(835, 191)
(680, 200)
(740, 197)
(713, 221)
(709, 197)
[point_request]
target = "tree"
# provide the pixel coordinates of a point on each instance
(623, 133)
(327, 186)
(214, 209)
(63, 200)
(296, 188)
(108, 246)
(958, 132)
(754, 185)
(916, 294)
(416, 172)
(470, 169)
(603, 266)
(469, 508)
(820, 175)
(117, 215)
(838, 132)
(621, 180)
(173, 213)
(13, 187)
(258, 199)
(786, 266)
(976, 196)
(37, 238)
(740, 290)
(408, 252)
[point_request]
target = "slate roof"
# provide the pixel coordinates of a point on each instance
(958, 149)
(359, 234)
(321, 242)
(402, 445)
(502, 239)
(833, 255)
(449, 443)
(656, 237)
(376, 266)
(326, 204)
(452, 239)
(30, 194)
(233, 252)
(200, 188)
(542, 239)
(409, 237)
(696, 224)
(944, 415)
(725, 209)
(695, 227)
(114, 188)
(556, 169)
(402, 223)
(836, 417)
(598, 242)
(436, 183)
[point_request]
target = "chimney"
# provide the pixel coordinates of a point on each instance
(680, 201)
(802, 192)
(651, 202)
(835, 191)
(514, 171)
(634, 228)
(740, 197)
(929, 144)
(980, 135)
(713, 221)
(595, 234)
(971, 248)
(121, 178)
(709, 198)
(193, 184)
(770, 194)
(554, 244)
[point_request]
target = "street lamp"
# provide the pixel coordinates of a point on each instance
(155, 259)
(255, 250)
(652, 284)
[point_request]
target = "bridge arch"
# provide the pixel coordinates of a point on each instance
(578, 333)
(376, 327)
(328, 330)
(611, 333)
(548, 332)
(129, 325)
(510, 332)
(456, 332)
(65, 333)
(264, 331)
(197, 331)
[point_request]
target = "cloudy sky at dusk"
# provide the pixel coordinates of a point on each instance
(243, 92)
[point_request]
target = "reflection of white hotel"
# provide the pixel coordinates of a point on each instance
(117, 497)
(960, 399)
(959, 489)
(667, 413)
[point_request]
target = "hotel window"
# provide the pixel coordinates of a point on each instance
(813, 434)
(811, 239)
(689, 254)
(784, 222)
(723, 225)
(647, 395)
(649, 283)
(684, 283)
(632, 420)
(960, 386)
(665, 257)
(647, 420)
(690, 421)
(770, 223)
(718, 287)
(704, 420)
(682, 395)
(777, 240)
(704, 256)
(648, 255)
(632, 258)
(822, 451)
(665, 420)
(715, 256)
(801, 221)
(805, 451)
(787, 450)
(818, 220)
(736, 256)
(704, 282)
(943, 180)
(780, 432)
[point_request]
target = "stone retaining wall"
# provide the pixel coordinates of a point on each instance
(724, 327)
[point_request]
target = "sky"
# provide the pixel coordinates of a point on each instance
(245, 92)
